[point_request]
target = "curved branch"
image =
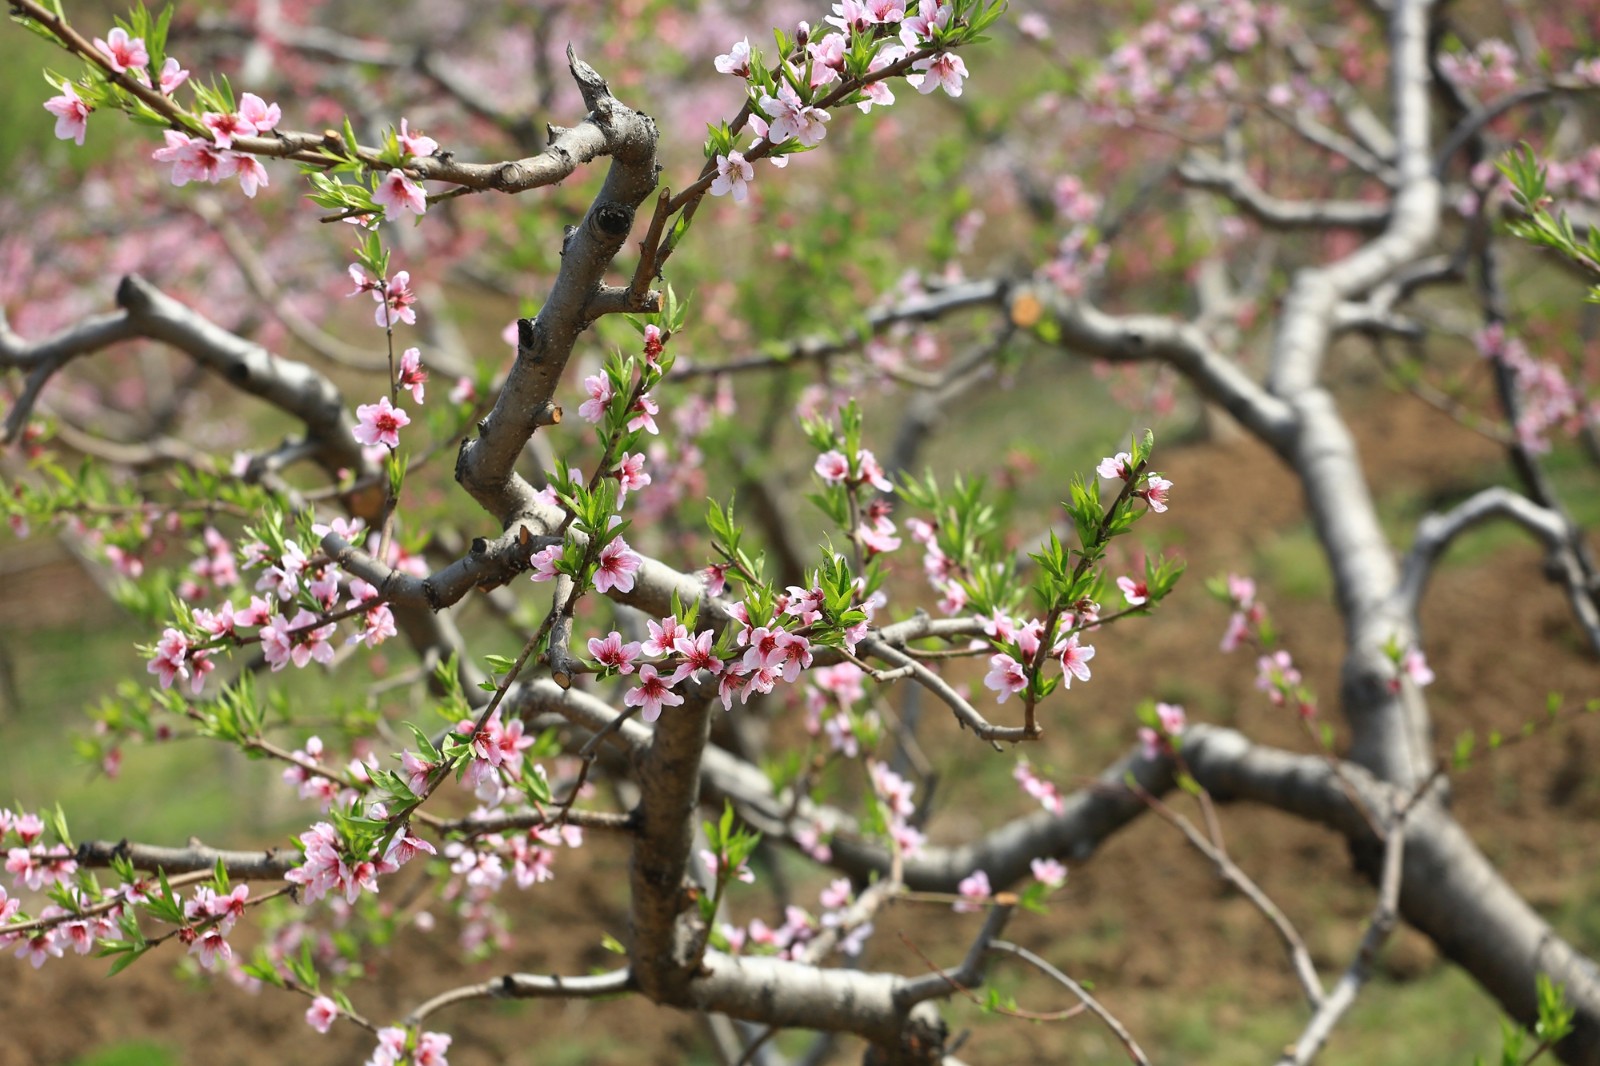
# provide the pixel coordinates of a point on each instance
(1436, 531)
(1180, 345)
(1204, 171)
(965, 713)
(290, 386)
(1135, 1052)
(1305, 970)
(924, 307)
(1477, 119)
(44, 359)
(527, 986)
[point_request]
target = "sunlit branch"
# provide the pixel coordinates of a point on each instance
(1204, 171)
(1436, 532)
(527, 986)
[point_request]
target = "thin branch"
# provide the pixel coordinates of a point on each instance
(498, 823)
(924, 307)
(569, 148)
(1436, 532)
(1385, 916)
(1129, 1044)
(1305, 970)
(970, 973)
(527, 986)
(965, 713)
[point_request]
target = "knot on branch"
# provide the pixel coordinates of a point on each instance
(614, 219)
(922, 1042)
(132, 295)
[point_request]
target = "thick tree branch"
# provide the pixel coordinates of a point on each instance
(1302, 338)
(1180, 345)
(527, 398)
(794, 995)
(287, 385)
(662, 952)
(1449, 891)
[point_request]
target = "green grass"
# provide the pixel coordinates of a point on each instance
(1225, 1027)
(1292, 565)
(136, 1053)
(164, 793)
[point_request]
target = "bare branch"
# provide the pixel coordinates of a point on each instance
(970, 973)
(267, 865)
(1205, 171)
(44, 359)
(965, 713)
(1384, 916)
(1135, 1052)
(1299, 956)
(924, 307)
(1479, 118)
(526, 401)
(1180, 345)
(499, 823)
(527, 986)
(1436, 531)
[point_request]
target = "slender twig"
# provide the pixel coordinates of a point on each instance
(1385, 915)
(1300, 957)
(1135, 1052)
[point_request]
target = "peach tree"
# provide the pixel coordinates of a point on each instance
(660, 560)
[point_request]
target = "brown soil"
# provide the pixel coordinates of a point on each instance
(1144, 914)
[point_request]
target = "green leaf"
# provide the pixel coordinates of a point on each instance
(127, 954)
(679, 228)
